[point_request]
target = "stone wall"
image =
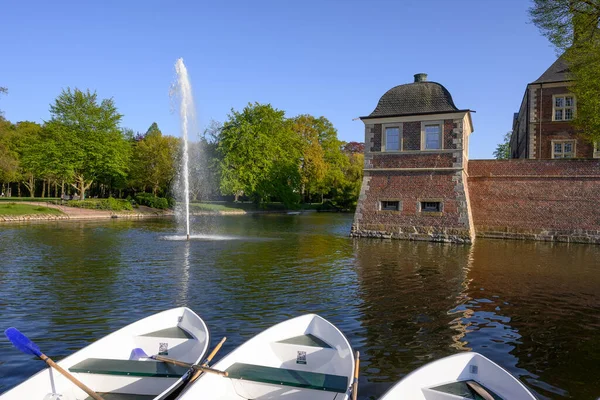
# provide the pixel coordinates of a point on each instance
(553, 200)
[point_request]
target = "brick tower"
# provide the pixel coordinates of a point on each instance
(416, 157)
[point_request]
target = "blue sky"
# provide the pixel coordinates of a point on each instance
(331, 57)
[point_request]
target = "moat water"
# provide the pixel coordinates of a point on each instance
(534, 308)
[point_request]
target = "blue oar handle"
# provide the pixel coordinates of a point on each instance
(23, 343)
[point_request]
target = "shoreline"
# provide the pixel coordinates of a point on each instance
(80, 214)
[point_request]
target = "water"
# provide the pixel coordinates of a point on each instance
(186, 115)
(534, 308)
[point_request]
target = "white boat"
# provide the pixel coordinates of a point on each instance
(302, 358)
(460, 376)
(109, 368)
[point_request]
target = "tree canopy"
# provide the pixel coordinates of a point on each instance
(87, 137)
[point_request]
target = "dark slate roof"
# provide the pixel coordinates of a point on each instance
(413, 99)
(558, 72)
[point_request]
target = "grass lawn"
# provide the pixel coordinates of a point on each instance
(231, 206)
(14, 209)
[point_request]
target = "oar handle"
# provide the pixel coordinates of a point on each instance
(215, 350)
(70, 377)
(356, 368)
(188, 365)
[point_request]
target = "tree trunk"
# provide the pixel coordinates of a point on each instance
(43, 188)
(30, 185)
(19, 189)
(62, 188)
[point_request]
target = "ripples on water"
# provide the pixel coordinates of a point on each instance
(534, 308)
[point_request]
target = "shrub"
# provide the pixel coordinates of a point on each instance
(111, 204)
(147, 199)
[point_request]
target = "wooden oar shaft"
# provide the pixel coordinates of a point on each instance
(356, 368)
(208, 360)
(212, 353)
(480, 390)
(70, 377)
(187, 365)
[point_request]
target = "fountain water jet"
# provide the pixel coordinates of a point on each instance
(187, 114)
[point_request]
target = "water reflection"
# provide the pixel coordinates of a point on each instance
(534, 308)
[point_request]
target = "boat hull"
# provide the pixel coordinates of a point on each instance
(448, 379)
(105, 365)
(303, 358)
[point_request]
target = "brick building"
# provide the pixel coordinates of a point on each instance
(420, 185)
(542, 128)
(416, 153)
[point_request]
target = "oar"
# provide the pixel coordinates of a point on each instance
(355, 383)
(480, 390)
(23, 343)
(140, 353)
(208, 360)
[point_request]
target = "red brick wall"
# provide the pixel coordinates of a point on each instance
(448, 135)
(411, 134)
(376, 141)
(409, 188)
(545, 198)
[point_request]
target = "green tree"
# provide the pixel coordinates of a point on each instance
(88, 138)
(154, 161)
(26, 142)
(502, 151)
(259, 155)
(312, 167)
(9, 162)
(573, 28)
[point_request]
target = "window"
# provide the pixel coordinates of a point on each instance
(389, 205)
(563, 148)
(431, 206)
(431, 135)
(563, 108)
(392, 138)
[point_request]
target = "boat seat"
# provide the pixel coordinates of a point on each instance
(288, 377)
(123, 396)
(306, 340)
(174, 332)
(105, 366)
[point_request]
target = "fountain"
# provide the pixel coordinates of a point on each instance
(186, 113)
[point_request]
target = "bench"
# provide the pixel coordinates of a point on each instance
(306, 340)
(104, 366)
(174, 332)
(289, 377)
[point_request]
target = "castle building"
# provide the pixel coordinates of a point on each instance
(416, 153)
(542, 128)
(419, 183)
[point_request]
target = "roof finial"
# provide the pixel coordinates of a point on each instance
(420, 77)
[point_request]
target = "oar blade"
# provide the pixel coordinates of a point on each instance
(22, 342)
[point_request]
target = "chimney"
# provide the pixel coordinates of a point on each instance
(421, 77)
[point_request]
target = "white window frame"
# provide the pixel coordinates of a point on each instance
(596, 150)
(563, 108)
(574, 152)
(384, 128)
(423, 137)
